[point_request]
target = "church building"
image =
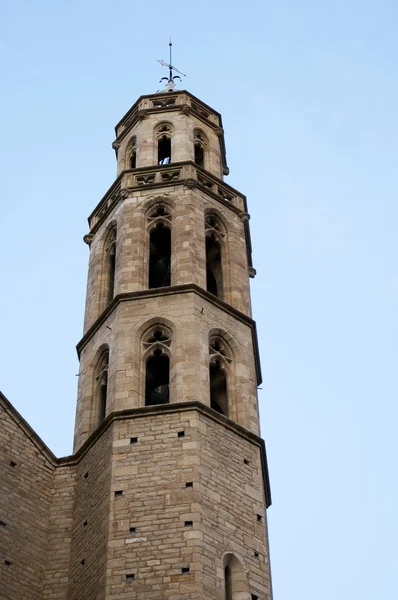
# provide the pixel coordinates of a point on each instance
(165, 494)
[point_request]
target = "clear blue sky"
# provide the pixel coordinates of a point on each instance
(308, 92)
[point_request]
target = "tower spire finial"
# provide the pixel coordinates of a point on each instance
(170, 85)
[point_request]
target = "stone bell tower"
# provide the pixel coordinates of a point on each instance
(171, 474)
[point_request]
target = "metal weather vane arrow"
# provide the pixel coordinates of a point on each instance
(170, 85)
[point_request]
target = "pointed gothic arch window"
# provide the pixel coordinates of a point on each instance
(157, 366)
(214, 244)
(159, 247)
(200, 146)
(132, 154)
(219, 367)
(101, 386)
(110, 264)
(164, 133)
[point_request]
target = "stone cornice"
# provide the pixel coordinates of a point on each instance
(144, 411)
(188, 171)
(176, 407)
(170, 291)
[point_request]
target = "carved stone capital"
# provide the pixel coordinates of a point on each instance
(142, 114)
(225, 171)
(185, 109)
(252, 272)
(244, 216)
(190, 183)
(219, 131)
(88, 238)
(116, 146)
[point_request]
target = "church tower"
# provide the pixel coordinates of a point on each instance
(166, 493)
(169, 370)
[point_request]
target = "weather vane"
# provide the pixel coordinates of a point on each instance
(170, 85)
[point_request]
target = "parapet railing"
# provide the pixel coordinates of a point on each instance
(187, 174)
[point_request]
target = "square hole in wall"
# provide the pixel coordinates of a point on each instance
(189, 484)
(185, 571)
(134, 440)
(256, 554)
(118, 493)
(259, 518)
(133, 529)
(181, 434)
(13, 464)
(130, 577)
(83, 562)
(85, 523)
(246, 461)
(85, 475)
(2, 525)
(254, 597)
(7, 563)
(188, 523)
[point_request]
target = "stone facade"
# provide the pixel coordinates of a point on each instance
(165, 495)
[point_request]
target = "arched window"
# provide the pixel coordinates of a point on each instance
(235, 579)
(157, 366)
(200, 144)
(110, 264)
(220, 359)
(101, 387)
(132, 154)
(159, 247)
(214, 240)
(164, 134)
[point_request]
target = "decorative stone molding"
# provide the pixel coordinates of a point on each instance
(88, 238)
(116, 146)
(219, 131)
(252, 272)
(142, 114)
(226, 171)
(244, 216)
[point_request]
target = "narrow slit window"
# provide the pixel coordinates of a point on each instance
(101, 383)
(164, 150)
(133, 159)
(200, 144)
(214, 279)
(160, 257)
(218, 389)
(111, 264)
(157, 383)
(199, 155)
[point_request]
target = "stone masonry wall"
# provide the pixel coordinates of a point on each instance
(60, 533)
(26, 477)
(87, 569)
(159, 527)
(188, 255)
(191, 318)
